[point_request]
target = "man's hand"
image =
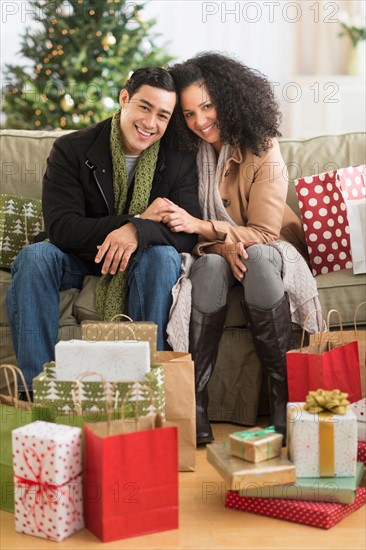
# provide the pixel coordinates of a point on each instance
(117, 249)
(155, 211)
(234, 254)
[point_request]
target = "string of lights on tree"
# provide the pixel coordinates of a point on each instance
(80, 55)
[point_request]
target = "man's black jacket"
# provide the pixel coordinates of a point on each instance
(78, 200)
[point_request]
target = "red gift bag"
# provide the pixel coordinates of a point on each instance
(131, 477)
(328, 365)
(323, 211)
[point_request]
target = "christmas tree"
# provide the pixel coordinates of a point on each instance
(80, 57)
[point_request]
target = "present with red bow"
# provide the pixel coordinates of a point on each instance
(47, 480)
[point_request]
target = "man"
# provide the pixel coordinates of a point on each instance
(103, 192)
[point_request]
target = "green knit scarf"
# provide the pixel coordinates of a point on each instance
(112, 290)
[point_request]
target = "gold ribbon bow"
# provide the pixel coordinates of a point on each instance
(320, 401)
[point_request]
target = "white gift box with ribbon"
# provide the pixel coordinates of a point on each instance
(47, 480)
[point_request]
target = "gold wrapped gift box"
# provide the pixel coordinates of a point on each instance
(256, 444)
(238, 473)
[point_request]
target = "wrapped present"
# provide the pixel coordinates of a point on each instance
(322, 444)
(361, 451)
(47, 480)
(14, 413)
(118, 361)
(359, 408)
(239, 473)
(316, 489)
(20, 221)
(60, 396)
(97, 331)
(317, 514)
(256, 444)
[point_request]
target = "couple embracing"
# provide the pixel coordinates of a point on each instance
(188, 167)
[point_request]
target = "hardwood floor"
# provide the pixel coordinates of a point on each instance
(206, 524)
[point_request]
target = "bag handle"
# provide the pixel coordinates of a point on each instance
(126, 326)
(304, 328)
(12, 398)
(76, 395)
(121, 315)
(330, 312)
(355, 317)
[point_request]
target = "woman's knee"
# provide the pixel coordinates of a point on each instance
(211, 279)
(263, 257)
(263, 285)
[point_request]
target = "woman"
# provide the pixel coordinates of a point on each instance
(230, 118)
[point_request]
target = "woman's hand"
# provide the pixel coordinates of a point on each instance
(178, 219)
(234, 254)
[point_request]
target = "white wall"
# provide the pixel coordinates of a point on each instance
(283, 39)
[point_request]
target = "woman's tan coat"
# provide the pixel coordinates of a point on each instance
(254, 191)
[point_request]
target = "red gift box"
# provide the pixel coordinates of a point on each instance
(324, 216)
(317, 514)
(361, 452)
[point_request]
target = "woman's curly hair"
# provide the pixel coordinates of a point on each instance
(247, 111)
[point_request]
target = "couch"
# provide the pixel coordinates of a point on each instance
(237, 391)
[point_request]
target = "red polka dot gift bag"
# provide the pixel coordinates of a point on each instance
(325, 201)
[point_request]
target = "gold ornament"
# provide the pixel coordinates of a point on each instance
(108, 39)
(67, 103)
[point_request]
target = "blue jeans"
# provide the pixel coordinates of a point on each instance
(152, 275)
(42, 270)
(39, 273)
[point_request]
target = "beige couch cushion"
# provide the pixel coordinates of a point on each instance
(23, 160)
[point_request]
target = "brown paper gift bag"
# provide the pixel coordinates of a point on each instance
(180, 403)
(346, 336)
(115, 330)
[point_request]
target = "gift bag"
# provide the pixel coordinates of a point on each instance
(144, 331)
(14, 414)
(325, 365)
(77, 415)
(344, 337)
(180, 403)
(352, 184)
(324, 216)
(130, 477)
(58, 394)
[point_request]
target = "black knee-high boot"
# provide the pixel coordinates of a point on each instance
(272, 338)
(205, 331)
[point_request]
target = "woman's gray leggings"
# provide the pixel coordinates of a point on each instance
(212, 279)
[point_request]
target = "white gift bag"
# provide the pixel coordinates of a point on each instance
(353, 187)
